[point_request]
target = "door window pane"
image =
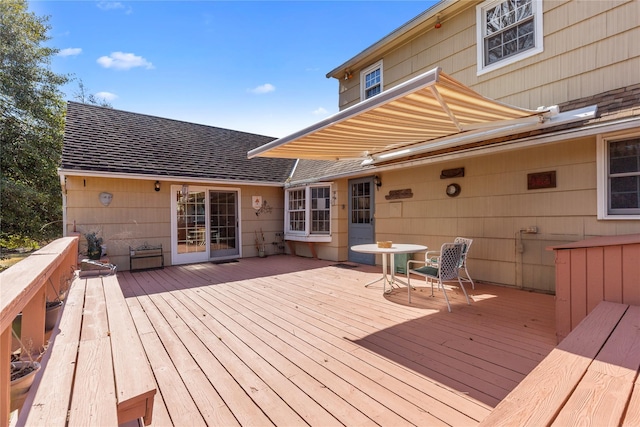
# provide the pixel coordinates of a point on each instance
(360, 203)
(191, 222)
(222, 220)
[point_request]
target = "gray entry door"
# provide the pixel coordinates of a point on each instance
(361, 220)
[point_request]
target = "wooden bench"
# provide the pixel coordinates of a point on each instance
(146, 252)
(95, 371)
(590, 378)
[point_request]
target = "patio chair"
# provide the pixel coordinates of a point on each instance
(446, 269)
(432, 260)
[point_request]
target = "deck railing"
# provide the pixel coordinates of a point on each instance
(590, 271)
(25, 288)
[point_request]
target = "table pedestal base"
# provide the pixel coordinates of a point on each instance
(385, 278)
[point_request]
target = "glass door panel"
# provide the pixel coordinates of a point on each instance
(191, 223)
(223, 223)
(361, 218)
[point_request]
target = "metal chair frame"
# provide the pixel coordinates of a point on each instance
(448, 262)
(431, 258)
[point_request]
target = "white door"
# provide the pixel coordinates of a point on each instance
(204, 224)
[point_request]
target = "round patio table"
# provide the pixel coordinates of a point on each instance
(396, 248)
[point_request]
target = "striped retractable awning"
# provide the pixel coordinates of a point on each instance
(426, 108)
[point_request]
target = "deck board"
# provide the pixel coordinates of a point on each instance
(287, 340)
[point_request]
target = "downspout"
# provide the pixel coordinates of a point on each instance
(63, 185)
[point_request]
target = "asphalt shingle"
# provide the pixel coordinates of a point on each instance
(103, 139)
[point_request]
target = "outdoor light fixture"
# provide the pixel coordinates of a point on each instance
(157, 186)
(377, 182)
(347, 75)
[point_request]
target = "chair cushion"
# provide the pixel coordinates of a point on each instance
(427, 271)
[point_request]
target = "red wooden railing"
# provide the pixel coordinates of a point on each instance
(26, 287)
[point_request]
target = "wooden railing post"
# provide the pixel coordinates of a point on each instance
(33, 314)
(5, 374)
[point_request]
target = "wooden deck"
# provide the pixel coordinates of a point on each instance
(287, 340)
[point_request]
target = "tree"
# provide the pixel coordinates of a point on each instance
(83, 96)
(32, 113)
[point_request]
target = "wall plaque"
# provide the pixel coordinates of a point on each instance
(452, 173)
(541, 180)
(399, 194)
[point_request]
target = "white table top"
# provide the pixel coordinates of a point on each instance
(396, 248)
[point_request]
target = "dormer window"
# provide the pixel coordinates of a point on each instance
(508, 31)
(371, 81)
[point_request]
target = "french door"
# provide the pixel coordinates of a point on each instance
(204, 224)
(361, 218)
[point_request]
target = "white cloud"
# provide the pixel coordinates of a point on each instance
(124, 61)
(262, 89)
(70, 51)
(113, 5)
(320, 112)
(107, 96)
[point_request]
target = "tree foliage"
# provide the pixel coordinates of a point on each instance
(83, 95)
(31, 128)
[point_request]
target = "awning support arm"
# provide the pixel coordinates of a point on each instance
(445, 107)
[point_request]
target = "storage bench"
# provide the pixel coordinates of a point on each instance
(590, 378)
(95, 371)
(145, 252)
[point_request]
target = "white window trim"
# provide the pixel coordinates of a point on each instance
(602, 171)
(480, 26)
(366, 71)
(306, 235)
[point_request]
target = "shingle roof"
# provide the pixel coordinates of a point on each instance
(103, 139)
(314, 170)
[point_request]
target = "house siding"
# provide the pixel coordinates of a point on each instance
(138, 214)
(589, 47)
(495, 204)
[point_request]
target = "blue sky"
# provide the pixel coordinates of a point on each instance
(255, 66)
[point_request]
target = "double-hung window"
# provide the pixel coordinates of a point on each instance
(508, 31)
(371, 81)
(308, 213)
(619, 177)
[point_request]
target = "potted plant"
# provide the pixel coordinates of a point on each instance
(51, 316)
(23, 373)
(94, 245)
(260, 244)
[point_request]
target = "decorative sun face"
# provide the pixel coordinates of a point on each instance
(105, 198)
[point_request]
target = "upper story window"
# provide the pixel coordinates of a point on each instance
(308, 213)
(619, 177)
(508, 31)
(371, 81)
